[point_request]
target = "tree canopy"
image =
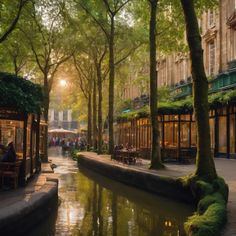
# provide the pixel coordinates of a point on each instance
(20, 94)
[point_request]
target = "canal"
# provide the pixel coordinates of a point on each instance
(91, 204)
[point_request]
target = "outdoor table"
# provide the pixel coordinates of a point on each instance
(127, 156)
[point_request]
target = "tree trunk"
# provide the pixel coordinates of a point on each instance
(94, 114)
(111, 86)
(204, 161)
(99, 76)
(45, 113)
(89, 134)
(155, 151)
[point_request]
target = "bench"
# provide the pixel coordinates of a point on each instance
(10, 170)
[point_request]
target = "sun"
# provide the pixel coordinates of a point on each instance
(63, 83)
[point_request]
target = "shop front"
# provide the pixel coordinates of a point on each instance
(20, 123)
(178, 136)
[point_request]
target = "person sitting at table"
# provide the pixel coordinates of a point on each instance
(128, 146)
(10, 155)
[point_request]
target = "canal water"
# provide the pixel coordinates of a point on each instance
(91, 204)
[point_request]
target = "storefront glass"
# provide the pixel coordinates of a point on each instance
(212, 132)
(222, 134)
(171, 134)
(12, 131)
(232, 133)
(184, 134)
(193, 134)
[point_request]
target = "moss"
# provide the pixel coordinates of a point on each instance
(209, 223)
(205, 202)
(211, 210)
(220, 186)
(203, 188)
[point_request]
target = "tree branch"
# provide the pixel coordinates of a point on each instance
(128, 54)
(96, 20)
(14, 22)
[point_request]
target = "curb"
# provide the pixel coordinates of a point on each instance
(164, 186)
(21, 216)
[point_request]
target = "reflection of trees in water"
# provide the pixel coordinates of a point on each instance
(94, 205)
(114, 214)
(149, 224)
(122, 213)
(100, 218)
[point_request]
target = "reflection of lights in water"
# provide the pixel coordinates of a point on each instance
(70, 215)
(110, 219)
(168, 223)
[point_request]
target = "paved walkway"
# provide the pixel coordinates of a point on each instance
(225, 168)
(8, 197)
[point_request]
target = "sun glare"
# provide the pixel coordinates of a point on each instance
(63, 83)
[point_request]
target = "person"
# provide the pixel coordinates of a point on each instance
(10, 155)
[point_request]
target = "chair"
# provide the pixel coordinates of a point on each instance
(10, 170)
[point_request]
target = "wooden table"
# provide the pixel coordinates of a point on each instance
(127, 156)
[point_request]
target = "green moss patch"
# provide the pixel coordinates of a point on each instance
(211, 209)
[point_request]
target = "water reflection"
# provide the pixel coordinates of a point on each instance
(94, 205)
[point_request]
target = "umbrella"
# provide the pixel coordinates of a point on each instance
(61, 131)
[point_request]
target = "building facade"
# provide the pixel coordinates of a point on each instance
(218, 30)
(178, 128)
(62, 119)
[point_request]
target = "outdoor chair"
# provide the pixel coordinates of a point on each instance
(10, 171)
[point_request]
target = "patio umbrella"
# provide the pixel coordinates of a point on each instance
(61, 131)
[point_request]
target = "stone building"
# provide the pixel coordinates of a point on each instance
(218, 29)
(177, 122)
(62, 119)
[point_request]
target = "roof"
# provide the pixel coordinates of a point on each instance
(20, 94)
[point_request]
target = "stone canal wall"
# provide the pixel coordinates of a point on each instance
(161, 185)
(18, 218)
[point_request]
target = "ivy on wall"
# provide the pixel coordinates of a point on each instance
(183, 106)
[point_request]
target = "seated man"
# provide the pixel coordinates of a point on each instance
(10, 155)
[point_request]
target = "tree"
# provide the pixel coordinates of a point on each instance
(205, 165)
(14, 54)
(156, 150)
(49, 46)
(10, 8)
(114, 38)
(85, 80)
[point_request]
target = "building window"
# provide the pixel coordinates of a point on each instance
(56, 115)
(211, 58)
(211, 18)
(65, 115)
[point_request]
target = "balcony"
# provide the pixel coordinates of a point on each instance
(222, 82)
(182, 91)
